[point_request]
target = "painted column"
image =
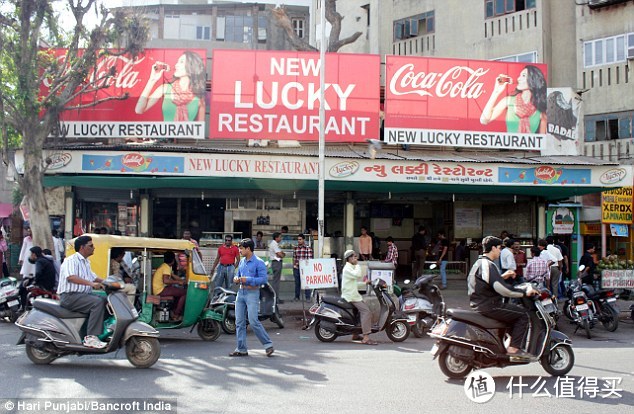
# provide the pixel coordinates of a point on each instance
(144, 219)
(69, 219)
(349, 222)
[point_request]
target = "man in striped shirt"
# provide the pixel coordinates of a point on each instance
(392, 251)
(76, 282)
(301, 252)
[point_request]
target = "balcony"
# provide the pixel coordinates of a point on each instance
(517, 22)
(618, 150)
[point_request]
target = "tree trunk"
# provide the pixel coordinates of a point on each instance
(31, 184)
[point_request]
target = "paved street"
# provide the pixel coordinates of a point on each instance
(308, 376)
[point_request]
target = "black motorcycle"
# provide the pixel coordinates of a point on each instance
(466, 340)
(333, 316)
(268, 309)
(578, 308)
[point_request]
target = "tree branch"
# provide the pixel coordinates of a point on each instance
(283, 21)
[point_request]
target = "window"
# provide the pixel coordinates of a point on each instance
(530, 57)
(608, 126)
(414, 26)
(494, 8)
(298, 27)
(203, 32)
(262, 21)
(238, 29)
(609, 50)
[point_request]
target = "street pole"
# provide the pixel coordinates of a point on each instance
(322, 138)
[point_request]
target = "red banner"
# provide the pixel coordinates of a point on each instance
(276, 95)
(166, 96)
(465, 103)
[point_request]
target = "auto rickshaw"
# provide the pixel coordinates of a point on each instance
(147, 255)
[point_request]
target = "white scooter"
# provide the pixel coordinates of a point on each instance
(423, 304)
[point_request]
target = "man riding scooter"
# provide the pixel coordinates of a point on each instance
(350, 292)
(487, 288)
(76, 282)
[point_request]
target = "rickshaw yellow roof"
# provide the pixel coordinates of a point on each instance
(133, 242)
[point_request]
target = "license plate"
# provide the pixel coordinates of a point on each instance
(411, 318)
(434, 350)
(582, 307)
(13, 303)
(547, 302)
(611, 300)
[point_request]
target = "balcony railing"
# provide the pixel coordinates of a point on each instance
(620, 150)
(511, 23)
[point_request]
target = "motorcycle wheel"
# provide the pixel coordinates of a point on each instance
(453, 367)
(229, 326)
(586, 327)
(208, 330)
(142, 352)
(567, 312)
(610, 318)
(276, 318)
(13, 316)
(419, 328)
(558, 361)
(39, 356)
(398, 331)
(324, 335)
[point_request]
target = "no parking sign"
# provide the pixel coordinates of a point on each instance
(318, 273)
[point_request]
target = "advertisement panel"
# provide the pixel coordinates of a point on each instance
(564, 117)
(160, 94)
(465, 103)
(276, 95)
(616, 206)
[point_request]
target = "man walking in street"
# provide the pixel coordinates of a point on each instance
(276, 255)
(301, 252)
(228, 256)
(555, 267)
(250, 275)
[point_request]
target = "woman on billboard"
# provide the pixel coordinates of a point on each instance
(525, 107)
(183, 97)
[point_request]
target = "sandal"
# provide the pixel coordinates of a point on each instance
(357, 337)
(369, 342)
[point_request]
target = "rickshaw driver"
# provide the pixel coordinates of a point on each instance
(165, 282)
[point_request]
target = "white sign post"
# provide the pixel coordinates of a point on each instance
(318, 273)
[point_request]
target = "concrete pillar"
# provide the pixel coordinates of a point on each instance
(69, 219)
(144, 219)
(541, 221)
(348, 217)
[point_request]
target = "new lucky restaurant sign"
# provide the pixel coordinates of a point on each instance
(276, 95)
(164, 91)
(465, 103)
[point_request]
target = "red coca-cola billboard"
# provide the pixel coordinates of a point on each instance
(165, 91)
(465, 103)
(276, 95)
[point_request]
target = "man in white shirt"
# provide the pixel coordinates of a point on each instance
(507, 258)
(556, 266)
(275, 256)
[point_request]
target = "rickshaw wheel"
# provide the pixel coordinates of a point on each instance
(208, 330)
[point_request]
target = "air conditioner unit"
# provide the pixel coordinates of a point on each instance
(595, 4)
(630, 53)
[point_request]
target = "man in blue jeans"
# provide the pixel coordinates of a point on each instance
(442, 250)
(250, 275)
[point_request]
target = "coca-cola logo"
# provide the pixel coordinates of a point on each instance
(458, 81)
(613, 176)
(133, 160)
(116, 71)
(344, 169)
(545, 173)
(58, 160)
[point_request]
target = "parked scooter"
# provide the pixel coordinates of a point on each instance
(268, 309)
(603, 304)
(466, 340)
(9, 299)
(423, 304)
(333, 316)
(50, 331)
(223, 303)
